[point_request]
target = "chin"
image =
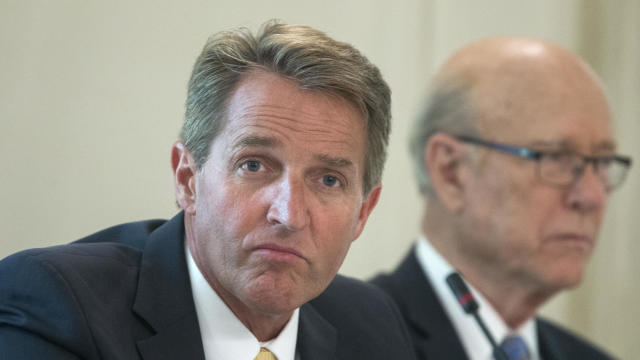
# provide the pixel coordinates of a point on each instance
(275, 305)
(569, 282)
(566, 277)
(275, 296)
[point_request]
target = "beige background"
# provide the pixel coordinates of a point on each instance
(92, 93)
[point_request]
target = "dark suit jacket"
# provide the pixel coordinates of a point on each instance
(433, 334)
(124, 293)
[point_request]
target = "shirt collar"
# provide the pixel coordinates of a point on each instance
(224, 336)
(437, 268)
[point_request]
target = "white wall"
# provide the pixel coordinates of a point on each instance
(92, 94)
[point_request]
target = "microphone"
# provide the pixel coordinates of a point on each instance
(470, 306)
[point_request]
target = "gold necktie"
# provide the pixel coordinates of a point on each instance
(265, 354)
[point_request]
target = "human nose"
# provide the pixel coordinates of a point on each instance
(288, 206)
(588, 191)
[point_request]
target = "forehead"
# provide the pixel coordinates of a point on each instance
(267, 105)
(545, 101)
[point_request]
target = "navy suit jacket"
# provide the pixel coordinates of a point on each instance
(433, 334)
(124, 293)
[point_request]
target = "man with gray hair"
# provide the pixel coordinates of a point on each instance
(276, 172)
(515, 157)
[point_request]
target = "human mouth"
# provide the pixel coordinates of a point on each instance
(278, 253)
(574, 238)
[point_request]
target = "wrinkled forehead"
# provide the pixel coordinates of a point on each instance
(268, 106)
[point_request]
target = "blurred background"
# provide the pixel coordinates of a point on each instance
(92, 98)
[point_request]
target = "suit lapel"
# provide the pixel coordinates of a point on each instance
(316, 337)
(164, 299)
(433, 334)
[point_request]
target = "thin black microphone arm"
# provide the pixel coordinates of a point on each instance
(470, 306)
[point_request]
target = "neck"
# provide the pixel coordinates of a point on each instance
(515, 303)
(264, 326)
(514, 299)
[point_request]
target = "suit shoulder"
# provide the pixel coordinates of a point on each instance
(133, 234)
(566, 344)
(384, 282)
(41, 302)
(343, 287)
(349, 301)
(81, 256)
(122, 243)
(405, 279)
(44, 273)
(51, 298)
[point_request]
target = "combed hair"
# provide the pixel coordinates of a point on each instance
(449, 110)
(307, 56)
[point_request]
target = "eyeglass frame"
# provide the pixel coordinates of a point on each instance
(537, 155)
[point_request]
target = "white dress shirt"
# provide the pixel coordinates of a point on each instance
(476, 345)
(224, 336)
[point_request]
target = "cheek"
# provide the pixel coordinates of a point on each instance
(231, 209)
(506, 214)
(220, 223)
(334, 237)
(545, 209)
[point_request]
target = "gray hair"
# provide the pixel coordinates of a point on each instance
(300, 53)
(448, 110)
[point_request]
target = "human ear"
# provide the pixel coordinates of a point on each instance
(184, 171)
(367, 207)
(443, 157)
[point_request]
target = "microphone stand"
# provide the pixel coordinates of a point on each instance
(470, 306)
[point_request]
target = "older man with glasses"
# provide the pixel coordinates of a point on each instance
(516, 157)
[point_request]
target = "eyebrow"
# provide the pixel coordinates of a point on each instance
(333, 161)
(270, 142)
(256, 141)
(606, 145)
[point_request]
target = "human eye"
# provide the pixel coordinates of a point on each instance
(604, 162)
(562, 158)
(331, 181)
(252, 166)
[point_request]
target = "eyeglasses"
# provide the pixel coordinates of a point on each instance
(564, 167)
